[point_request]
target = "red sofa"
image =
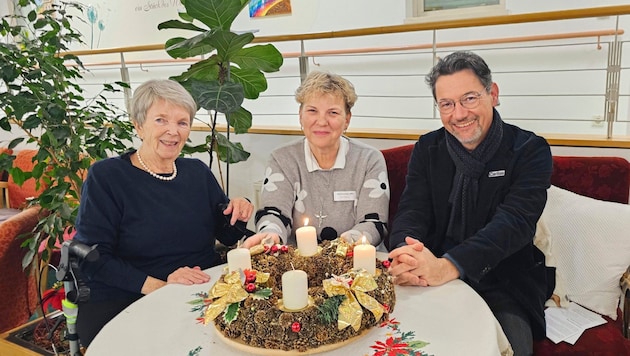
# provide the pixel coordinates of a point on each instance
(604, 178)
(18, 288)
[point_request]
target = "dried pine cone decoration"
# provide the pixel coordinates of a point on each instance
(261, 324)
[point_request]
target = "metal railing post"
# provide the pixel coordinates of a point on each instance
(613, 74)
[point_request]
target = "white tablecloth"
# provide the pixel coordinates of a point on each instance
(452, 319)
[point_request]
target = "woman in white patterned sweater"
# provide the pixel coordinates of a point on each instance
(334, 183)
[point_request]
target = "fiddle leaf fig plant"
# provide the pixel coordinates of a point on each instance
(43, 102)
(233, 71)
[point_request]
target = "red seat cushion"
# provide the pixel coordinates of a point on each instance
(602, 340)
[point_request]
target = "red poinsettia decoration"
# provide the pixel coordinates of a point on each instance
(52, 297)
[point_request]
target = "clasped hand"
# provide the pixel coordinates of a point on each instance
(415, 265)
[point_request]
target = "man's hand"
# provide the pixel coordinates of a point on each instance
(414, 264)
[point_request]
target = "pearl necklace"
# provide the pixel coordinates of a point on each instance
(155, 175)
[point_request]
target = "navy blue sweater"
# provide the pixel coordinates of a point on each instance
(148, 227)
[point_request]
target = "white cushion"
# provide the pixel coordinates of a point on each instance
(542, 240)
(590, 247)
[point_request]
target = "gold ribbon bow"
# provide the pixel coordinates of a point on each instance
(231, 291)
(350, 311)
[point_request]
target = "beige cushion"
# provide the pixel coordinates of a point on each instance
(589, 242)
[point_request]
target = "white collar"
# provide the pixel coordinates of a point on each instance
(340, 161)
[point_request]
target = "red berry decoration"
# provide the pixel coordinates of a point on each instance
(386, 308)
(386, 263)
(350, 253)
(250, 275)
(250, 287)
(296, 327)
(266, 248)
(284, 249)
(274, 248)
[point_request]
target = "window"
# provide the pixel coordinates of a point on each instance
(433, 10)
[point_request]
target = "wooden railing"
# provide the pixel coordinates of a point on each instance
(406, 134)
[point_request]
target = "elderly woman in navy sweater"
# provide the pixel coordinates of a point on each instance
(153, 214)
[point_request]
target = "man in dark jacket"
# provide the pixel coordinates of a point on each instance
(475, 190)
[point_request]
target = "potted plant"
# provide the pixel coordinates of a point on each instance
(233, 71)
(44, 102)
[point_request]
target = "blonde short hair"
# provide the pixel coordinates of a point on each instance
(326, 83)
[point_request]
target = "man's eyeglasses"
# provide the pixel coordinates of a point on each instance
(469, 101)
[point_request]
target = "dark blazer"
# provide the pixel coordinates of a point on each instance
(512, 195)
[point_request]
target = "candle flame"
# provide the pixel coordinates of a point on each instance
(364, 240)
(305, 221)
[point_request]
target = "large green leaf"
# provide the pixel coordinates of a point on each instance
(240, 120)
(205, 70)
(232, 149)
(179, 47)
(215, 13)
(252, 80)
(228, 43)
(176, 24)
(224, 98)
(262, 57)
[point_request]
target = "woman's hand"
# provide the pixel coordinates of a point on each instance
(188, 276)
(260, 237)
(183, 275)
(240, 208)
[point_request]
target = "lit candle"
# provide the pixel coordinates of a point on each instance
(306, 237)
(294, 290)
(365, 256)
(239, 258)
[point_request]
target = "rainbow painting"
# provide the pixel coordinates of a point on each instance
(260, 8)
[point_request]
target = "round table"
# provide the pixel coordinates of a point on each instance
(451, 318)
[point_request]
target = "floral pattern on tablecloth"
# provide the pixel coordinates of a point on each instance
(195, 351)
(398, 342)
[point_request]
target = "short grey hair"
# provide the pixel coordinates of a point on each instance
(456, 62)
(326, 83)
(159, 89)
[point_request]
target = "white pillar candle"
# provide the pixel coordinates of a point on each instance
(295, 289)
(239, 258)
(306, 237)
(365, 256)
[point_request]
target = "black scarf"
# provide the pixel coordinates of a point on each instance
(469, 168)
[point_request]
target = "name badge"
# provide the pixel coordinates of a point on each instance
(349, 195)
(493, 174)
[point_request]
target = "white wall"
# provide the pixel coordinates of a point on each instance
(134, 22)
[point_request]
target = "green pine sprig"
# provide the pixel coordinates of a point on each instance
(329, 310)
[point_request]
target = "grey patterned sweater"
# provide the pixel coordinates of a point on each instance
(351, 197)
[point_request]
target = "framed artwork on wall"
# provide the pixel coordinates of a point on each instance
(433, 10)
(262, 8)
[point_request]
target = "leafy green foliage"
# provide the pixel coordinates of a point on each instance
(43, 101)
(231, 312)
(263, 293)
(234, 71)
(329, 309)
